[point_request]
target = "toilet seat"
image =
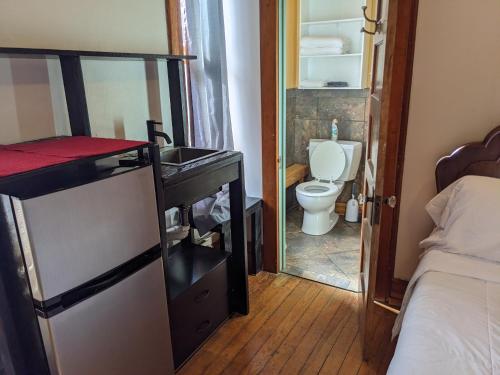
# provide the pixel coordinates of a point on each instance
(327, 161)
(317, 189)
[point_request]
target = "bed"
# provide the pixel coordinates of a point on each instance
(450, 317)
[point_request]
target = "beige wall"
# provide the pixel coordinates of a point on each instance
(455, 99)
(121, 95)
(106, 25)
(32, 103)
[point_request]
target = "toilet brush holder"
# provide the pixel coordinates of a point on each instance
(352, 211)
(352, 207)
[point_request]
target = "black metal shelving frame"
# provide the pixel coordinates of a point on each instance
(74, 86)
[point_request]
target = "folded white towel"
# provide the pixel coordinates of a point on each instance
(309, 83)
(307, 51)
(322, 41)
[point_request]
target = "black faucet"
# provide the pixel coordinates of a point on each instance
(153, 133)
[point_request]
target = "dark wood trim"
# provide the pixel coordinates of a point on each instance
(174, 28)
(404, 47)
(269, 104)
(74, 89)
(177, 44)
(478, 159)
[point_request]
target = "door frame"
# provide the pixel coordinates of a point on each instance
(269, 78)
(269, 56)
(387, 289)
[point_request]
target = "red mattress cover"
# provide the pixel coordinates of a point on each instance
(24, 157)
(75, 147)
(14, 162)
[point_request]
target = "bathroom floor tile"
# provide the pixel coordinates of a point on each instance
(331, 259)
(339, 281)
(347, 262)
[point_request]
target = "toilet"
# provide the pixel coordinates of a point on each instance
(332, 163)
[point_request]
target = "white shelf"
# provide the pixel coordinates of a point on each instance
(315, 10)
(342, 19)
(330, 56)
(347, 20)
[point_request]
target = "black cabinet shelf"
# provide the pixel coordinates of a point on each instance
(188, 263)
(91, 54)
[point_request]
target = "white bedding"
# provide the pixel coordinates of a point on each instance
(450, 319)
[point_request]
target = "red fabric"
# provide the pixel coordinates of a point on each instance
(24, 157)
(13, 162)
(75, 147)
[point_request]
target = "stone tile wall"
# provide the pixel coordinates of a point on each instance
(310, 114)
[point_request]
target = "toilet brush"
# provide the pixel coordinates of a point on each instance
(352, 207)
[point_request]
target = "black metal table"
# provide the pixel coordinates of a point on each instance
(186, 185)
(205, 285)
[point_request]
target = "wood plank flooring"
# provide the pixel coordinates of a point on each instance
(295, 326)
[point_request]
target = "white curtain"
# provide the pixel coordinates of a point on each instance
(203, 28)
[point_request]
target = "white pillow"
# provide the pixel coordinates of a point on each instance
(467, 218)
(436, 205)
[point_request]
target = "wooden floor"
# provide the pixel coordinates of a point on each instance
(295, 326)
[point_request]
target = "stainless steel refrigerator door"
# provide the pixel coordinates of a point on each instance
(71, 236)
(122, 330)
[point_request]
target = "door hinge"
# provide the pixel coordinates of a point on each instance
(376, 209)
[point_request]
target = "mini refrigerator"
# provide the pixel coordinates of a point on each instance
(92, 257)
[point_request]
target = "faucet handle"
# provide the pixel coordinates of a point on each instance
(153, 133)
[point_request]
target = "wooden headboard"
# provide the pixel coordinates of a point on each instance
(479, 159)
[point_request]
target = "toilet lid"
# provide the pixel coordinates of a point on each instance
(328, 161)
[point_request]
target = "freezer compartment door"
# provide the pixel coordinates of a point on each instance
(74, 235)
(122, 330)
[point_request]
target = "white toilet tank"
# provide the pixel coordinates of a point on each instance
(352, 151)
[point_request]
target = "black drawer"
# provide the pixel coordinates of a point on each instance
(198, 311)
